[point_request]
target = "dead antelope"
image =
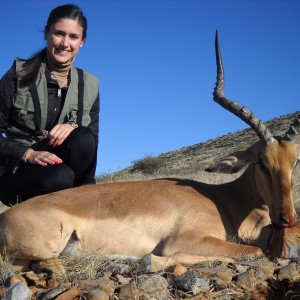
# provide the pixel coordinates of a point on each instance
(180, 219)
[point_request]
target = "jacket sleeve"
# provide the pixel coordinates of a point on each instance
(10, 152)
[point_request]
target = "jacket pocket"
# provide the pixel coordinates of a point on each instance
(72, 115)
(23, 111)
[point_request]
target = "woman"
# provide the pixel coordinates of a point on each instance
(49, 115)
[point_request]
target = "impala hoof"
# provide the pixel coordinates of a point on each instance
(52, 266)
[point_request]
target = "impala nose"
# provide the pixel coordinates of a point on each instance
(287, 221)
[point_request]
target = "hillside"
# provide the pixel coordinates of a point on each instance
(197, 157)
(191, 161)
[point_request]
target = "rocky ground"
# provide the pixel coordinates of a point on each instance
(245, 279)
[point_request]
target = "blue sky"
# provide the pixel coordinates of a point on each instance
(156, 64)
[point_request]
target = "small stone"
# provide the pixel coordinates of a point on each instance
(2, 292)
(122, 280)
(51, 266)
(156, 287)
(53, 293)
(288, 272)
(247, 280)
(129, 291)
(18, 290)
(203, 284)
(198, 297)
(267, 268)
(34, 279)
(105, 284)
(186, 281)
(14, 279)
(97, 294)
(179, 270)
(52, 283)
(70, 294)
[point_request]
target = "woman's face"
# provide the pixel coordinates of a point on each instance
(64, 38)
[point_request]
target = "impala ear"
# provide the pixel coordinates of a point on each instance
(231, 164)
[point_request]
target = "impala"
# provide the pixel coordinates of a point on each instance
(170, 219)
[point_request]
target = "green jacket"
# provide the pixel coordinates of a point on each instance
(24, 109)
(18, 118)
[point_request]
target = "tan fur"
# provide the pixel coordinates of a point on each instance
(162, 217)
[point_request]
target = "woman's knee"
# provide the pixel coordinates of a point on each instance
(85, 141)
(39, 180)
(59, 179)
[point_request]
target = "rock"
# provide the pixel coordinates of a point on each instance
(97, 294)
(265, 269)
(129, 291)
(105, 284)
(218, 283)
(225, 274)
(150, 263)
(282, 261)
(198, 297)
(52, 283)
(18, 291)
(291, 242)
(35, 290)
(247, 280)
(14, 279)
(33, 279)
(2, 292)
(52, 266)
(186, 281)
(69, 294)
(179, 270)
(241, 268)
(122, 280)
(288, 272)
(155, 287)
(202, 284)
(118, 268)
(52, 294)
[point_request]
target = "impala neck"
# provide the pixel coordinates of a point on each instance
(246, 209)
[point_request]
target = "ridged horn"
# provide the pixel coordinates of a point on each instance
(240, 111)
(293, 131)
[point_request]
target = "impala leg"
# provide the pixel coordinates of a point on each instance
(52, 266)
(187, 250)
(153, 263)
(208, 246)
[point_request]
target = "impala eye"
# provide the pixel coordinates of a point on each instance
(263, 167)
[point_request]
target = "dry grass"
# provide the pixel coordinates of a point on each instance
(6, 268)
(95, 265)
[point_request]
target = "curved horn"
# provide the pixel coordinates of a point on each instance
(246, 115)
(293, 131)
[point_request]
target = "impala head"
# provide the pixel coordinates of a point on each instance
(273, 159)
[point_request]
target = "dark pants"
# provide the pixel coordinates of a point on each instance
(79, 155)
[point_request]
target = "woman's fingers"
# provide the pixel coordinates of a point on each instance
(58, 134)
(43, 158)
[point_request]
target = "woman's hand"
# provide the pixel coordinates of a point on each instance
(42, 158)
(58, 134)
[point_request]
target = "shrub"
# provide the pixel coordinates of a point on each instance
(243, 145)
(149, 164)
